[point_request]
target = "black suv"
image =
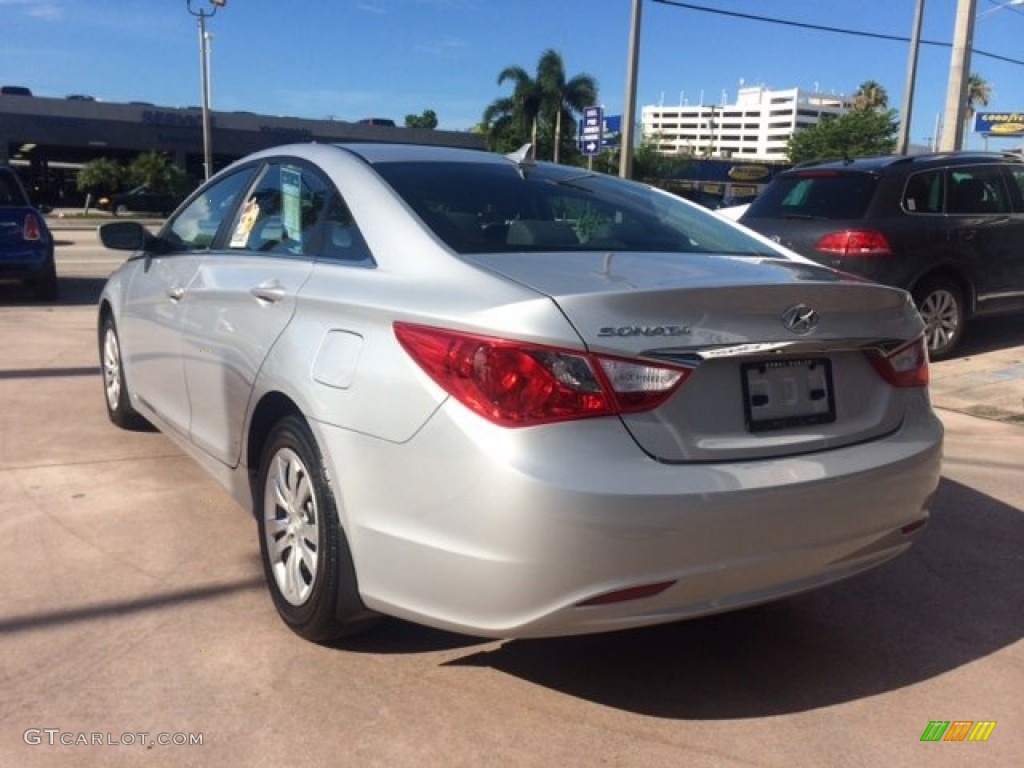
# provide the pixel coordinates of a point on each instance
(947, 227)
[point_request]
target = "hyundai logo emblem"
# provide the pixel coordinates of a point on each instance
(800, 319)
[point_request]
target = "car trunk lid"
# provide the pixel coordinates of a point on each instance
(779, 351)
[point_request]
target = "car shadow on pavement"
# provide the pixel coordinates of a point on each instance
(71, 291)
(987, 334)
(953, 599)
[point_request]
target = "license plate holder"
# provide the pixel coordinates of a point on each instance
(783, 394)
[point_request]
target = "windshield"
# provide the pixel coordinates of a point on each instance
(496, 208)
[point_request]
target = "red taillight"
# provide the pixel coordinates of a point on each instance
(905, 367)
(854, 243)
(31, 229)
(517, 384)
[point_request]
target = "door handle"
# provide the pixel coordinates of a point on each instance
(271, 292)
(175, 294)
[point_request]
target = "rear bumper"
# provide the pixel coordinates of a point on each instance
(26, 262)
(504, 533)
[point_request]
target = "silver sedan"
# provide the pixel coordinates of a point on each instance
(516, 399)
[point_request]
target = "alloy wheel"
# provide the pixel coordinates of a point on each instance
(291, 526)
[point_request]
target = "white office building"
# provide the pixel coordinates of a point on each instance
(756, 128)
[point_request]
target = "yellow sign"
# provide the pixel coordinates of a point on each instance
(748, 172)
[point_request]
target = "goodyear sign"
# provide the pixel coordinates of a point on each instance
(999, 123)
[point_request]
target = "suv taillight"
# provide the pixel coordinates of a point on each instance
(518, 384)
(854, 243)
(31, 229)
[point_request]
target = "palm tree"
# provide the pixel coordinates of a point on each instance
(539, 106)
(870, 95)
(564, 99)
(514, 118)
(978, 92)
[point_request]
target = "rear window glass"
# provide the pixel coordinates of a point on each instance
(815, 196)
(492, 208)
(10, 191)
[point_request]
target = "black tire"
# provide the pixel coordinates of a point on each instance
(305, 553)
(941, 304)
(120, 210)
(45, 288)
(115, 387)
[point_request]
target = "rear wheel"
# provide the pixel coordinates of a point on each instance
(305, 553)
(941, 304)
(121, 210)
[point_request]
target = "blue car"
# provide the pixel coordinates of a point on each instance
(26, 245)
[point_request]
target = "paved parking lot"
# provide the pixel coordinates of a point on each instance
(134, 603)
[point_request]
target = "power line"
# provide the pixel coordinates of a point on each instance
(835, 30)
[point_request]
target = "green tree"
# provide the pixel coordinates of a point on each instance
(541, 110)
(978, 92)
(871, 95)
(858, 133)
(158, 173)
(562, 100)
(100, 176)
(426, 120)
(512, 120)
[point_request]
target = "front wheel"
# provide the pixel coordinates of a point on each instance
(115, 389)
(941, 305)
(305, 554)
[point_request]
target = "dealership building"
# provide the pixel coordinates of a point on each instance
(47, 140)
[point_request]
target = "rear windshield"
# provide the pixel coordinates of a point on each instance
(10, 191)
(815, 195)
(497, 208)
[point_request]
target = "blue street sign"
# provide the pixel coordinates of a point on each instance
(609, 136)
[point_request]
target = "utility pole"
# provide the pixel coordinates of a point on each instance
(903, 142)
(959, 73)
(629, 113)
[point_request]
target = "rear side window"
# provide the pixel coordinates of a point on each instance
(977, 189)
(924, 193)
(815, 195)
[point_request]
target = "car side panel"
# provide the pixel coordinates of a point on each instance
(237, 306)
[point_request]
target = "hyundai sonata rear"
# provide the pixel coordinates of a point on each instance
(515, 399)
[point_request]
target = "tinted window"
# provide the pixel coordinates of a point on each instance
(924, 193)
(477, 208)
(342, 240)
(977, 189)
(815, 195)
(10, 191)
(282, 213)
(197, 224)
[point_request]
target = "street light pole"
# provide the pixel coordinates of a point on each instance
(204, 68)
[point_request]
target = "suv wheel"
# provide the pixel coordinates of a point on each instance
(941, 304)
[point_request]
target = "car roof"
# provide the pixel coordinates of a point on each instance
(379, 153)
(882, 163)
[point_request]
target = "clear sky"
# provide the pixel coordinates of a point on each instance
(350, 59)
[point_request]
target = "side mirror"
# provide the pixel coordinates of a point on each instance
(126, 236)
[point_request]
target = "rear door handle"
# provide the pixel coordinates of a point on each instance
(175, 294)
(271, 291)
